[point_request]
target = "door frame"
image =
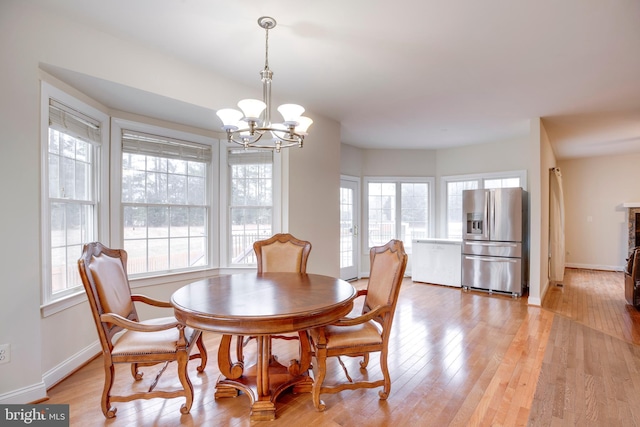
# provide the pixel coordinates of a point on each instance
(354, 183)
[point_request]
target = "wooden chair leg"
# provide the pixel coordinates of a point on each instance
(135, 371)
(365, 361)
(384, 393)
(203, 353)
(183, 360)
(107, 410)
(321, 372)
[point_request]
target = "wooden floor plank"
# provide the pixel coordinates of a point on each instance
(456, 359)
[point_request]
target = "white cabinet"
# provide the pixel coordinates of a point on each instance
(437, 261)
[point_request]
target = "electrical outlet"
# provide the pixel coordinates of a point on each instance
(5, 353)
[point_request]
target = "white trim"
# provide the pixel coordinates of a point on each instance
(161, 278)
(357, 215)
(280, 207)
(101, 188)
(32, 393)
(164, 278)
(595, 267)
(397, 180)
(37, 392)
(62, 304)
(117, 238)
(61, 371)
(281, 191)
(223, 203)
(534, 301)
(445, 179)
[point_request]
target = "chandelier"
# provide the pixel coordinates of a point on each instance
(252, 127)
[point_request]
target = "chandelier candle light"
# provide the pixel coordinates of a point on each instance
(252, 126)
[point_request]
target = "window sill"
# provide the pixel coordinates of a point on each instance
(57, 306)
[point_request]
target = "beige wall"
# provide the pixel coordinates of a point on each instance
(351, 159)
(19, 166)
(594, 187)
(484, 158)
(398, 163)
(314, 192)
(491, 157)
(596, 223)
(43, 348)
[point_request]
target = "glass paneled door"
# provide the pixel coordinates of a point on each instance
(349, 217)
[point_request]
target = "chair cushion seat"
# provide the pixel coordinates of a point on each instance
(367, 333)
(135, 342)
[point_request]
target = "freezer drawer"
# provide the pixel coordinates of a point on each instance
(493, 249)
(492, 273)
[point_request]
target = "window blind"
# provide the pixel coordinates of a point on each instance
(67, 120)
(154, 145)
(249, 157)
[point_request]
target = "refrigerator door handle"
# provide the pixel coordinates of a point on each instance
(492, 213)
(492, 244)
(491, 259)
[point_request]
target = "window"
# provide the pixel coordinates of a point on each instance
(502, 183)
(454, 206)
(455, 185)
(165, 203)
(251, 202)
(72, 188)
(398, 209)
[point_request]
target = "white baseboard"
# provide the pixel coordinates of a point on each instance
(32, 393)
(534, 301)
(596, 267)
(67, 367)
(37, 392)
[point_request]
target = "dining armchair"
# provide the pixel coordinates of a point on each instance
(125, 339)
(367, 333)
(281, 253)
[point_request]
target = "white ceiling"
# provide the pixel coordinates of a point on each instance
(403, 73)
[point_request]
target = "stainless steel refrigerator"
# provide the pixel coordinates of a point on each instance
(494, 244)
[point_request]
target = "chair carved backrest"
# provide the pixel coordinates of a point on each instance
(360, 336)
(142, 343)
(388, 264)
(104, 272)
(282, 253)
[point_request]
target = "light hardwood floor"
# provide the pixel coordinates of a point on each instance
(456, 359)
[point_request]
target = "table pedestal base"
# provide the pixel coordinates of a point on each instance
(262, 382)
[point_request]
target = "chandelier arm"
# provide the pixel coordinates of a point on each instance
(258, 133)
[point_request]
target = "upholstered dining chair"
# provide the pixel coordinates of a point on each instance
(281, 253)
(127, 339)
(367, 333)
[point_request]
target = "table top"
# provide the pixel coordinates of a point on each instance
(263, 304)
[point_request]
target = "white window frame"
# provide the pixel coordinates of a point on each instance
(117, 232)
(480, 177)
(279, 160)
(49, 303)
(397, 180)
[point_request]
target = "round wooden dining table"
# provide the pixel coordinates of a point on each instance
(263, 305)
